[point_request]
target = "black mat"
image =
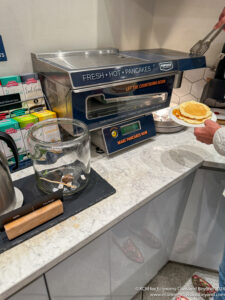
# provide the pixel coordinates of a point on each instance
(96, 190)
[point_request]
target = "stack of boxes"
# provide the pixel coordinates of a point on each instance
(19, 113)
(33, 92)
(27, 88)
(18, 128)
(12, 85)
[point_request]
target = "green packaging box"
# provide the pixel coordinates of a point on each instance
(25, 123)
(12, 85)
(8, 79)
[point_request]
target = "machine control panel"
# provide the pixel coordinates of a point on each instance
(121, 136)
(125, 129)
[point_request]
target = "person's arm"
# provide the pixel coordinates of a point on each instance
(212, 133)
(221, 20)
(219, 141)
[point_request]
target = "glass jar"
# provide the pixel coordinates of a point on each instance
(60, 150)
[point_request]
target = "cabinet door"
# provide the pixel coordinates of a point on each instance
(84, 275)
(201, 236)
(126, 257)
(35, 291)
(141, 244)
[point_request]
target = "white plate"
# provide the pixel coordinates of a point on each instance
(181, 122)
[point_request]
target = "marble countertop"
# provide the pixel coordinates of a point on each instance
(138, 175)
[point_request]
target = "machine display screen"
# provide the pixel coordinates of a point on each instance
(130, 128)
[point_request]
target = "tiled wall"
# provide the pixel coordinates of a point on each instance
(192, 85)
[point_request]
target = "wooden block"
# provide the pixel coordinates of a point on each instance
(33, 219)
(221, 122)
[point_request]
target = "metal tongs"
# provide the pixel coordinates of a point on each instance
(203, 45)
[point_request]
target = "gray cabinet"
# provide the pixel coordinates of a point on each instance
(200, 240)
(125, 257)
(34, 291)
(84, 275)
(185, 224)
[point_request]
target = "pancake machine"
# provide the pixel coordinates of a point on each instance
(113, 92)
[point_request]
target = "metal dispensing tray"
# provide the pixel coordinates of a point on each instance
(92, 59)
(88, 68)
(182, 60)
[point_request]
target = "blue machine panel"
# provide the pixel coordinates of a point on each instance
(181, 60)
(104, 76)
(3, 56)
(106, 116)
(158, 61)
(128, 133)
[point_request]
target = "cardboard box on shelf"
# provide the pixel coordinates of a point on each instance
(44, 115)
(31, 85)
(4, 115)
(19, 112)
(49, 133)
(12, 85)
(25, 122)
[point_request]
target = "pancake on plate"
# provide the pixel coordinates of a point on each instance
(195, 110)
(192, 112)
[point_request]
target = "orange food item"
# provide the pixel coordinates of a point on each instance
(195, 110)
(177, 113)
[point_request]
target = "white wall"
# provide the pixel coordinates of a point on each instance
(44, 25)
(179, 24)
(47, 25)
(174, 24)
(124, 24)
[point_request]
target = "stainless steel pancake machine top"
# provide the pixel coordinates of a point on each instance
(113, 92)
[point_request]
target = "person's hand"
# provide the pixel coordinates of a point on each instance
(221, 20)
(206, 134)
